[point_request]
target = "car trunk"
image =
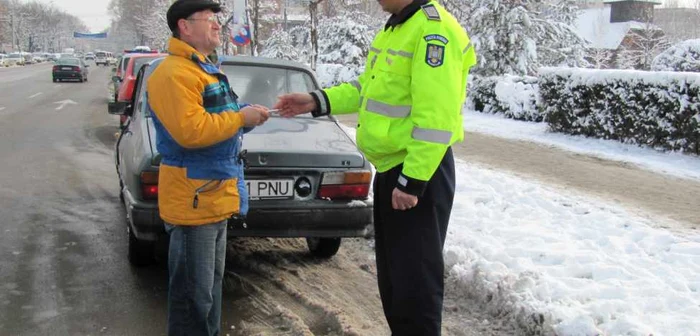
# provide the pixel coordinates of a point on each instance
(296, 143)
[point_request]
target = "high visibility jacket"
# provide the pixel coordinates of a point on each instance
(410, 96)
(198, 134)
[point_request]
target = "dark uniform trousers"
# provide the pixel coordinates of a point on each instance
(409, 247)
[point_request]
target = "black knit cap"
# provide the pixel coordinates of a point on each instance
(182, 9)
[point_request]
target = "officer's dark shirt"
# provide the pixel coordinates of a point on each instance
(404, 14)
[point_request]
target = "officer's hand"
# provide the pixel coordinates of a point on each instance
(254, 115)
(403, 201)
(295, 103)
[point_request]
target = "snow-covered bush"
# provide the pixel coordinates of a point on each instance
(657, 109)
(333, 74)
(513, 96)
(684, 56)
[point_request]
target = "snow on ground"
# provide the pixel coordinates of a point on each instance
(587, 268)
(674, 164)
(558, 263)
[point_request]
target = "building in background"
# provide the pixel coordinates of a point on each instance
(621, 33)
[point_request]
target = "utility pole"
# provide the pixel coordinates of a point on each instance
(286, 26)
(12, 28)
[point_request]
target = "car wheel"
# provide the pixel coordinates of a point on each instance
(55, 80)
(323, 247)
(140, 253)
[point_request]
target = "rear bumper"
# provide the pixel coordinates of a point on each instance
(329, 220)
(67, 75)
(325, 219)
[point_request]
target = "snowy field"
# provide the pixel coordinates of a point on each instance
(674, 164)
(558, 263)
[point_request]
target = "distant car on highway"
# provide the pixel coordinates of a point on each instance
(90, 56)
(103, 57)
(70, 68)
(305, 176)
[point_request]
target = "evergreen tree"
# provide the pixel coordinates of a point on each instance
(280, 46)
(519, 36)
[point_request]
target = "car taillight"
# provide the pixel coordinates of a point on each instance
(345, 185)
(149, 185)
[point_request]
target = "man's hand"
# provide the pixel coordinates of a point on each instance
(295, 103)
(254, 115)
(403, 201)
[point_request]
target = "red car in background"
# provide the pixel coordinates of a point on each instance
(128, 78)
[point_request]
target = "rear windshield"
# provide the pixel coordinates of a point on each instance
(263, 84)
(68, 61)
(100, 54)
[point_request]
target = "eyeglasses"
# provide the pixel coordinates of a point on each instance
(211, 19)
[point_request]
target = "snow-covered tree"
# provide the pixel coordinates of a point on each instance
(345, 41)
(599, 58)
(519, 36)
(153, 24)
(683, 56)
(279, 45)
(643, 46)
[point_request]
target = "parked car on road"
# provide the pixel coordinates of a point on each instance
(126, 82)
(15, 59)
(305, 176)
(70, 68)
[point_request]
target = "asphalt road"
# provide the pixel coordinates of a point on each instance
(63, 241)
(62, 247)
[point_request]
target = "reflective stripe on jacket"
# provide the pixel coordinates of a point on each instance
(411, 93)
(198, 134)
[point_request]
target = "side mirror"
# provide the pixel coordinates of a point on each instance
(116, 79)
(118, 108)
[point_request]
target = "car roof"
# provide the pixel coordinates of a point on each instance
(264, 61)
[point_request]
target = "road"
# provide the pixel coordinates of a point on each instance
(63, 266)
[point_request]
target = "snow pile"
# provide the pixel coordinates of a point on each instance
(658, 109)
(684, 56)
(558, 264)
(513, 96)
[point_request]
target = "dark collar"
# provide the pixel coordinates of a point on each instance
(405, 14)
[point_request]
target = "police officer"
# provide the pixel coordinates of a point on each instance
(409, 100)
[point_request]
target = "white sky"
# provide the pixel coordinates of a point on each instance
(92, 12)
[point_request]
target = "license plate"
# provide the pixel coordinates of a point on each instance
(270, 189)
(66, 68)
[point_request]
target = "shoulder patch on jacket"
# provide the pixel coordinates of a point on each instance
(434, 37)
(434, 55)
(431, 12)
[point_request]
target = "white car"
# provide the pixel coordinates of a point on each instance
(15, 59)
(3, 62)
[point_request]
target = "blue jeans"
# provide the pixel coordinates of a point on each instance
(196, 267)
